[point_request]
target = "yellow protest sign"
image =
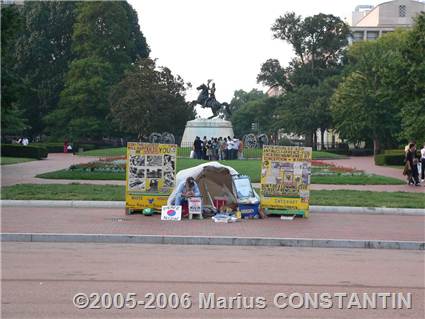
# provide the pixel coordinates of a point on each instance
(150, 174)
(285, 178)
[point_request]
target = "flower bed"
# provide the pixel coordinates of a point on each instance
(103, 165)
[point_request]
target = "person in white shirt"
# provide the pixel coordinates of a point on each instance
(235, 148)
(229, 155)
(423, 163)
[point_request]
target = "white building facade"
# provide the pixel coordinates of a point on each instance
(369, 23)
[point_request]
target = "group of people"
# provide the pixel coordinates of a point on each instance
(217, 148)
(23, 141)
(411, 166)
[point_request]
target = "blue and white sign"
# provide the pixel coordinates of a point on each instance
(171, 213)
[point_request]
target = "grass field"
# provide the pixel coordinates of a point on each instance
(249, 167)
(250, 153)
(112, 192)
(5, 160)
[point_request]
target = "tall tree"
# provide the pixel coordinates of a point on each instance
(109, 30)
(411, 91)
(42, 52)
(83, 107)
(106, 40)
(318, 42)
(365, 104)
(13, 121)
(150, 99)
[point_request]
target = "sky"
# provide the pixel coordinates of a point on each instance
(224, 40)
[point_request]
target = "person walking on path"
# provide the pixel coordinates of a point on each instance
(411, 166)
(423, 163)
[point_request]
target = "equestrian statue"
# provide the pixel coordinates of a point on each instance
(207, 98)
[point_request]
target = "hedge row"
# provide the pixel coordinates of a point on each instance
(58, 147)
(29, 151)
(389, 159)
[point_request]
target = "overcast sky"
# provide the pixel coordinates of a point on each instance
(224, 40)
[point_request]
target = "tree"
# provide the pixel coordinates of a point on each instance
(106, 40)
(318, 42)
(411, 91)
(150, 99)
(365, 104)
(241, 97)
(12, 119)
(109, 30)
(42, 53)
(83, 107)
(272, 74)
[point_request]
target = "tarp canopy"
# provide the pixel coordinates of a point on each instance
(213, 179)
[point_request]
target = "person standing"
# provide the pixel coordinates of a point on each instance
(235, 148)
(229, 151)
(411, 166)
(423, 163)
(240, 150)
(197, 146)
(223, 148)
(204, 148)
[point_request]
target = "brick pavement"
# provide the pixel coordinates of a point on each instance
(114, 221)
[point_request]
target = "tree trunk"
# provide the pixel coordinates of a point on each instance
(309, 140)
(376, 146)
(315, 141)
(322, 138)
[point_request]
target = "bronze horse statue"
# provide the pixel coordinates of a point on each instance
(207, 98)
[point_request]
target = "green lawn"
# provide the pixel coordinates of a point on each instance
(356, 180)
(367, 198)
(121, 151)
(246, 167)
(5, 160)
(113, 192)
(64, 192)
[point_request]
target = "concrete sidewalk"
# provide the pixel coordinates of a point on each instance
(114, 221)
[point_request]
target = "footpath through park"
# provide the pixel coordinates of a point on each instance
(24, 173)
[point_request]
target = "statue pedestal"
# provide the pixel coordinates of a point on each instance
(206, 127)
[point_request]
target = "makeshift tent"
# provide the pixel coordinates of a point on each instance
(214, 181)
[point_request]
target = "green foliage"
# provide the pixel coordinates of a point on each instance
(150, 99)
(13, 121)
(84, 101)
(319, 42)
(42, 53)
(389, 159)
(109, 30)
(272, 74)
(16, 150)
(411, 93)
(257, 110)
(365, 103)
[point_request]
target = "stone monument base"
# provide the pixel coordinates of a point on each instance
(206, 127)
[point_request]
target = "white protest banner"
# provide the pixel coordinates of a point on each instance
(171, 213)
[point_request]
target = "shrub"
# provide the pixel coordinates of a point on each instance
(51, 147)
(28, 151)
(361, 152)
(389, 159)
(394, 152)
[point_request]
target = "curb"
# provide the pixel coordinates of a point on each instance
(121, 204)
(205, 240)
